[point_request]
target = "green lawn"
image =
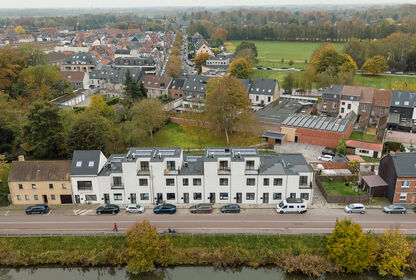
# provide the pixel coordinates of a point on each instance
(339, 188)
(358, 135)
(381, 82)
(370, 159)
(382, 201)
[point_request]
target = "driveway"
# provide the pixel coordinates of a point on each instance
(310, 152)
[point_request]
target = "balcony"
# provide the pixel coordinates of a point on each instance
(224, 171)
(171, 171)
(117, 186)
(305, 186)
(143, 172)
(251, 172)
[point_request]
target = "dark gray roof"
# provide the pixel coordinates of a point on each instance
(116, 75)
(274, 135)
(135, 61)
(177, 83)
(277, 112)
(85, 162)
(320, 123)
(405, 164)
(261, 86)
(193, 164)
(82, 58)
(196, 83)
(401, 98)
(333, 92)
(113, 165)
(393, 118)
(153, 153)
(283, 164)
(235, 153)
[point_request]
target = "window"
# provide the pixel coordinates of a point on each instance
(51, 186)
(406, 103)
(277, 196)
(64, 186)
(26, 197)
(343, 103)
(224, 196)
(170, 165)
(364, 109)
(197, 181)
(304, 196)
(36, 197)
(197, 196)
(250, 165)
(257, 98)
(223, 181)
(334, 105)
(19, 197)
(266, 181)
(84, 185)
(403, 196)
(381, 111)
(144, 165)
(277, 182)
(90, 197)
(223, 164)
(144, 196)
(143, 182)
(78, 164)
(117, 181)
(250, 196)
(405, 184)
(34, 186)
(303, 180)
(364, 151)
(170, 196)
(20, 187)
(349, 106)
(292, 195)
(269, 99)
(52, 196)
(342, 110)
(170, 182)
(118, 196)
(91, 164)
(251, 182)
(185, 181)
(325, 101)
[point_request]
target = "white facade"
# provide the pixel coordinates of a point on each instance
(348, 106)
(367, 152)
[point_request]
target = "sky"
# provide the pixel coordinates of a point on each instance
(210, 3)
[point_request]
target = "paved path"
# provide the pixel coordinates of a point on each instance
(267, 221)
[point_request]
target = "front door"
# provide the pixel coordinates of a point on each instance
(77, 200)
(159, 198)
(185, 197)
(375, 155)
(133, 198)
(239, 197)
(265, 198)
(106, 198)
(45, 199)
(212, 197)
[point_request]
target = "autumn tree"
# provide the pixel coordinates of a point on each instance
(145, 248)
(99, 107)
(289, 82)
(34, 54)
(375, 65)
(397, 85)
(11, 124)
(200, 60)
(221, 33)
(11, 63)
(240, 68)
(19, 30)
(393, 252)
(195, 126)
(149, 115)
(246, 45)
(350, 247)
(174, 67)
(226, 104)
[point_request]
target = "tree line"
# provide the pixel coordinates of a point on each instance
(175, 60)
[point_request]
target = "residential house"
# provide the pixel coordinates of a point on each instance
(203, 47)
(216, 66)
(365, 106)
(34, 182)
(175, 88)
(148, 63)
(331, 98)
(78, 80)
(381, 104)
(367, 149)
(402, 115)
(84, 62)
(194, 91)
(350, 100)
(398, 170)
(262, 92)
(156, 85)
(56, 58)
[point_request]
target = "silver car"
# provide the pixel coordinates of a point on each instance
(394, 209)
(134, 208)
(355, 208)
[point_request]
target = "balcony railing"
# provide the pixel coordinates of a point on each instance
(303, 186)
(224, 171)
(171, 171)
(143, 172)
(117, 186)
(251, 171)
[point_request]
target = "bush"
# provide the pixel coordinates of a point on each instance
(393, 146)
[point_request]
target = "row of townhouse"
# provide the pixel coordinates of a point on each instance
(153, 175)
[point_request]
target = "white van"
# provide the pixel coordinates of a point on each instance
(291, 205)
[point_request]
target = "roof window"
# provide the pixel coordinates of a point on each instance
(91, 164)
(79, 164)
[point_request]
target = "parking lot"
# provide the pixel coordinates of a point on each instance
(310, 152)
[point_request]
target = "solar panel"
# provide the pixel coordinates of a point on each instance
(341, 127)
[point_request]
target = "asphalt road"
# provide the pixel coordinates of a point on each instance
(264, 221)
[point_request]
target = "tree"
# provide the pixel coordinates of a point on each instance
(200, 59)
(342, 147)
(132, 90)
(221, 33)
(393, 252)
(11, 63)
(246, 45)
(289, 83)
(226, 104)
(11, 124)
(247, 54)
(350, 247)
(354, 164)
(19, 30)
(33, 54)
(240, 68)
(145, 248)
(291, 62)
(357, 50)
(99, 107)
(397, 85)
(195, 126)
(411, 60)
(174, 66)
(148, 115)
(375, 65)
(44, 130)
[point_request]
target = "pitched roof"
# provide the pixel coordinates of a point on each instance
(374, 181)
(405, 164)
(48, 170)
(364, 145)
(382, 98)
(333, 92)
(73, 76)
(261, 86)
(85, 162)
(352, 90)
(401, 98)
(152, 81)
(355, 157)
(196, 83)
(177, 83)
(367, 94)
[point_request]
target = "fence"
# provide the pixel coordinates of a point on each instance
(344, 199)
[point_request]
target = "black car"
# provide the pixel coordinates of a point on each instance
(230, 208)
(165, 209)
(259, 67)
(269, 68)
(328, 152)
(37, 209)
(108, 209)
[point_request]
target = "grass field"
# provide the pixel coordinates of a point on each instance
(358, 135)
(339, 188)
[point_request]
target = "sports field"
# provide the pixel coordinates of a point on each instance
(271, 53)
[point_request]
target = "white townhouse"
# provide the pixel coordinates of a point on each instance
(220, 175)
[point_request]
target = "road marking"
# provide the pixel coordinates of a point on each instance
(49, 213)
(84, 212)
(75, 212)
(7, 213)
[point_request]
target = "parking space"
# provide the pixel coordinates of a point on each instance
(310, 152)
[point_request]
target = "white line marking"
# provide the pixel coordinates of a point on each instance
(75, 212)
(7, 213)
(49, 213)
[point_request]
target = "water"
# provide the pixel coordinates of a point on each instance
(177, 273)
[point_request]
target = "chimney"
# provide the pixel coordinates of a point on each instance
(21, 158)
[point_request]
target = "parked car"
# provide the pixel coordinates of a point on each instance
(325, 158)
(284, 68)
(328, 152)
(108, 209)
(355, 208)
(291, 205)
(230, 208)
(411, 74)
(201, 208)
(37, 209)
(259, 67)
(165, 209)
(134, 208)
(291, 69)
(269, 68)
(394, 209)
(387, 72)
(398, 73)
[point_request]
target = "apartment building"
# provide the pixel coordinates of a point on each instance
(219, 175)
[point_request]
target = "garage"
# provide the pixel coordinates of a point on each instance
(66, 199)
(273, 137)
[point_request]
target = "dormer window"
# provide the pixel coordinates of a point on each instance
(79, 164)
(223, 164)
(250, 165)
(396, 102)
(406, 103)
